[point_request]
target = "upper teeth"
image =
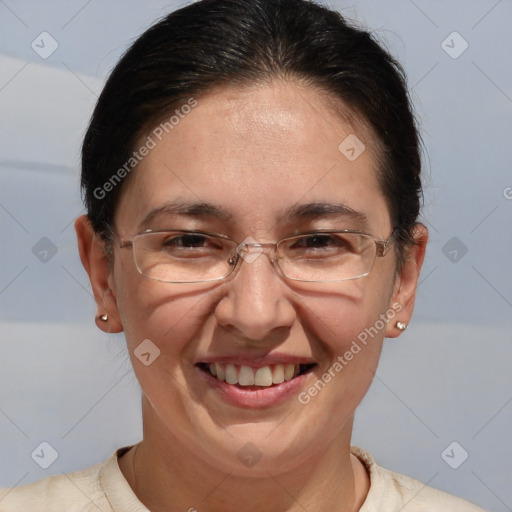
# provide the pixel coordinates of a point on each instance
(247, 376)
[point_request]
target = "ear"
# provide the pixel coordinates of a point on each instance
(406, 282)
(93, 257)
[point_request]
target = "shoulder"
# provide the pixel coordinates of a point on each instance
(74, 492)
(390, 491)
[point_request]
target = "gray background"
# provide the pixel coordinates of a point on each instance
(446, 379)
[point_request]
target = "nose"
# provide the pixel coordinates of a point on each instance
(257, 304)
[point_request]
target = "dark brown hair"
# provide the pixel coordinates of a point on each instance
(215, 43)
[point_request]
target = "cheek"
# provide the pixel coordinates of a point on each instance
(347, 331)
(169, 315)
(342, 328)
(174, 323)
(340, 312)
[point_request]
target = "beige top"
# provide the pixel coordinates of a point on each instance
(104, 488)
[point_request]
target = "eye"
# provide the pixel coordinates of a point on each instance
(185, 245)
(320, 241)
(333, 247)
(187, 240)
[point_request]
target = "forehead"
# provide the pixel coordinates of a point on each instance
(256, 153)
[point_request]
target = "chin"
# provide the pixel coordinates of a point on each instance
(258, 448)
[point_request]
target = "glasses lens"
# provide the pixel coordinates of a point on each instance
(182, 257)
(327, 256)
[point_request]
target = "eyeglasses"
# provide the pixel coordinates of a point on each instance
(179, 256)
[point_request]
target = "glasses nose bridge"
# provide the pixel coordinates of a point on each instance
(250, 250)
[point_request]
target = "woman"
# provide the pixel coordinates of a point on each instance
(252, 181)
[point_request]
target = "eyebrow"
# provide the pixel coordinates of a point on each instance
(314, 211)
(191, 209)
(308, 211)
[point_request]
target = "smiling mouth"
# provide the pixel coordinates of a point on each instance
(246, 376)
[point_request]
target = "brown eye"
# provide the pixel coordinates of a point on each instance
(316, 241)
(189, 240)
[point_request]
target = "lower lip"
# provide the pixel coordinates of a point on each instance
(255, 398)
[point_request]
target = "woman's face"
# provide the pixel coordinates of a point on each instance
(255, 155)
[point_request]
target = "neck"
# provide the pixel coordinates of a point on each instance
(166, 475)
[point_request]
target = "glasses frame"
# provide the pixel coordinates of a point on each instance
(271, 249)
